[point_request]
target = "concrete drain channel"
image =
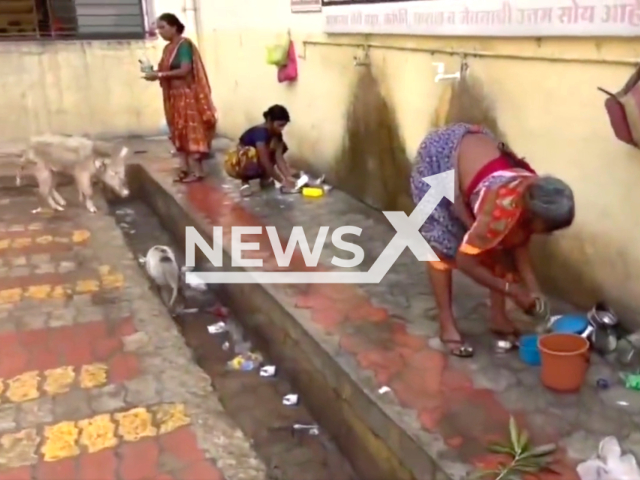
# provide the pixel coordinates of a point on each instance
(253, 401)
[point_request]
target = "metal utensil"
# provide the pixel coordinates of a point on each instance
(589, 333)
(626, 353)
(552, 321)
(301, 182)
(602, 315)
(604, 340)
(503, 346)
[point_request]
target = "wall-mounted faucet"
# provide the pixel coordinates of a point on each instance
(440, 75)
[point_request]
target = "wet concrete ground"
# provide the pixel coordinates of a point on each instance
(385, 335)
(253, 402)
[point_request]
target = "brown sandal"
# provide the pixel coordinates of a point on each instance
(458, 348)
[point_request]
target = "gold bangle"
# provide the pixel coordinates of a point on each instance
(507, 287)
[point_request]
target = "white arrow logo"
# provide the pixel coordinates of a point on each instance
(407, 236)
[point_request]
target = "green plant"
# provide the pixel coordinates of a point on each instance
(525, 458)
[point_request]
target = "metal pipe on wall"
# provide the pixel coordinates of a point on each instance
(197, 12)
(193, 9)
(470, 53)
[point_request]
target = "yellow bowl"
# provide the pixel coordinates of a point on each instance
(312, 191)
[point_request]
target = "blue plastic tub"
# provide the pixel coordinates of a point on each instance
(529, 352)
(572, 323)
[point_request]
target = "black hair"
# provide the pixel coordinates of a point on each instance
(276, 113)
(173, 21)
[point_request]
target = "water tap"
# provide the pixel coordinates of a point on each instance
(440, 75)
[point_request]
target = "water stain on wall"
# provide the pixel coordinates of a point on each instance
(373, 164)
(469, 103)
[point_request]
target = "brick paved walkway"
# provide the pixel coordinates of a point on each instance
(95, 380)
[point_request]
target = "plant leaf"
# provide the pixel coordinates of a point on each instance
(513, 432)
(510, 476)
(527, 468)
(534, 463)
(483, 474)
(498, 444)
(523, 441)
(531, 455)
(497, 448)
(541, 451)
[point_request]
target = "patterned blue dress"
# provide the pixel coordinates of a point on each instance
(443, 230)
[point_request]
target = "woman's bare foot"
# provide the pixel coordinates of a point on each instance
(500, 324)
(449, 334)
(504, 328)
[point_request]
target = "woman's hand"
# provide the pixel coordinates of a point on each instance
(289, 183)
(522, 296)
(151, 76)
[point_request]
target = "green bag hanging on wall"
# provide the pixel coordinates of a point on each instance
(277, 54)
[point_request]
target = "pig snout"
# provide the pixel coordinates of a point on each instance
(121, 190)
(117, 183)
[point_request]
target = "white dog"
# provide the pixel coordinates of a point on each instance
(162, 267)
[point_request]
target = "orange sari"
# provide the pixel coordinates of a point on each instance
(497, 211)
(188, 107)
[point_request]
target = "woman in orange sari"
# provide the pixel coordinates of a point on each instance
(500, 203)
(189, 110)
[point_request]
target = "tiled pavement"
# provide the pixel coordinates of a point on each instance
(385, 335)
(95, 380)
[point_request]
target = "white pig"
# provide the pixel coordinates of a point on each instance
(80, 157)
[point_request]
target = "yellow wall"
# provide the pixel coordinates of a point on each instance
(77, 88)
(83, 87)
(551, 112)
